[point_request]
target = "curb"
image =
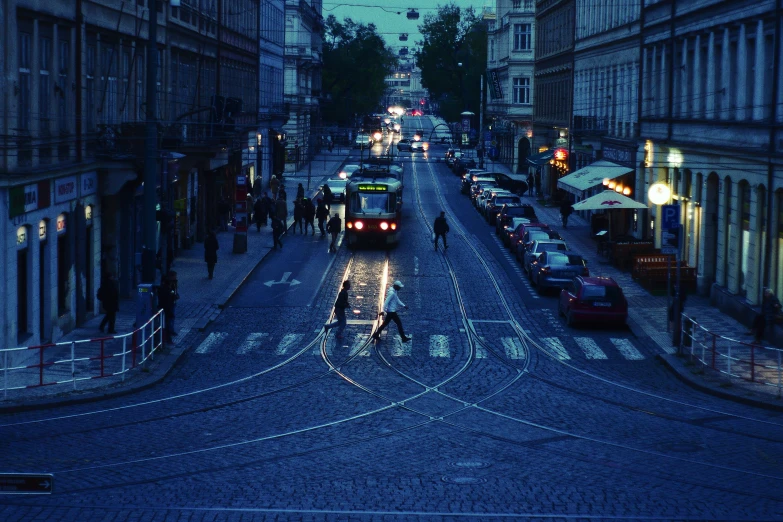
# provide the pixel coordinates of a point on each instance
(672, 362)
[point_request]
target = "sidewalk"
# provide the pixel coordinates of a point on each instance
(200, 300)
(648, 313)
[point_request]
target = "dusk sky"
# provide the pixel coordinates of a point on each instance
(388, 22)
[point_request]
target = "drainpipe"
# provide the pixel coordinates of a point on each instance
(80, 51)
(670, 87)
(773, 127)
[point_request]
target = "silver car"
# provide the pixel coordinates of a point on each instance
(557, 269)
(535, 250)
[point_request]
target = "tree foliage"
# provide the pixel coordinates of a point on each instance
(453, 36)
(356, 62)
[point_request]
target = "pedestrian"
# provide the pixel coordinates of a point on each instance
(333, 227)
(339, 311)
(224, 212)
(168, 293)
(300, 192)
(566, 209)
(309, 214)
(259, 214)
(770, 308)
(109, 296)
(211, 246)
(281, 210)
(298, 215)
(676, 310)
(274, 186)
(330, 144)
(277, 231)
(530, 184)
(537, 183)
(281, 193)
(327, 197)
(441, 228)
(321, 213)
(390, 307)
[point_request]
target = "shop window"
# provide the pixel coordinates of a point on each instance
(744, 239)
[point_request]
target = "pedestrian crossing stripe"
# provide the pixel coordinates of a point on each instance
(513, 347)
(628, 350)
(252, 341)
(401, 349)
(358, 342)
(288, 341)
(439, 346)
(211, 340)
(590, 348)
(554, 344)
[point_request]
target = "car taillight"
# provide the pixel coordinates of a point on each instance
(359, 225)
(384, 225)
(394, 226)
(546, 270)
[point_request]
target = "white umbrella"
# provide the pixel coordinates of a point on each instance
(607, 200)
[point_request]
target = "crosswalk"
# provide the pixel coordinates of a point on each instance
(436, 346)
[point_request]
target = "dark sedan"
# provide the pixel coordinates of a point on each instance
(594, 299)
(557, 269)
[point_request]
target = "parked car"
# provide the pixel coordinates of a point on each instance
(478, 187)
(404, 144)
(509, 211)
(347, 171)
(530, 236)
(557, 269)
(466, 160)
(518, 233)
(481, 202)
(594, 299)
(516, 183)
(337, 186)
(508, 229)
(496, 202)
(533, 251)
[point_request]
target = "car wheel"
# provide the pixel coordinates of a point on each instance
(570, 319)
(559, 309)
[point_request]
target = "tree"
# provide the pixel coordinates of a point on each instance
(451, 37)
(356, 62)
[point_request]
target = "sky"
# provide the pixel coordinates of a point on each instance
(384, 15)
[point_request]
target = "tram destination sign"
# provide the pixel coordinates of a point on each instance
(26, 483)
(373, 188)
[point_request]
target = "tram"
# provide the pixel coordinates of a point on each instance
(373, 207)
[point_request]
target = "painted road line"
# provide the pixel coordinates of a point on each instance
(627, 349)
(252, 342)
(439, 346)
(401, 349)
(590, 348)
(211, 340)
(287, 342)
(514, 348)
(554, 344)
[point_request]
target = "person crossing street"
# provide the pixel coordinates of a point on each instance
(339, 311)
(441, 228)
(390, 307)
(334, 227)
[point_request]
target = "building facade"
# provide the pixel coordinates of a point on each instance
(711, 89)
(272, 113)
(511, 36)
(73, 124)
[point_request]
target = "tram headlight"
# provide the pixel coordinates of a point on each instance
(384, 225)
(394, 226)
(358, 225)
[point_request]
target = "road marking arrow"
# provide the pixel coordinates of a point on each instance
(283, 281)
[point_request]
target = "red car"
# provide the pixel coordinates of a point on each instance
(593, 299)
(516, 236)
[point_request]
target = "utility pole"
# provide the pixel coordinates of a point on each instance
(149, 247)
(481, 123)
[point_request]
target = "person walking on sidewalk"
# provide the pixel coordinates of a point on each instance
(277, 231)
(109, 296)
(281, 210)
(530, 185)
(282, 194)
(339, 311)
(566, 209)
(300, 192)
(211, 246)
(770, 308)
(441, 228)
(259, 214)
(167, 301)
(298, 215)
(321, 213)
(327, 197)
(334, 227)
(274, 186)
(309, 214)
(390, 307)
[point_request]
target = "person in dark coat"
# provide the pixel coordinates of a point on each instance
(309, 214)
(277, 231)
(274, 186)
(441, 228)
(211, 247)
(334, 227)
(566, 209)
(300, 192)
(339, 311)
(298, 215)
(281, 210)
(530, 184)
(321, 213)
(537, 183)
(327, 197)
(168, 293)
(109, 296)
(259, 215)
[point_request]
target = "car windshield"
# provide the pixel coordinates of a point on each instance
(549, 247)
(612, 293)
(372, 203)
(536, 235)
(565, 259)
(502, 200)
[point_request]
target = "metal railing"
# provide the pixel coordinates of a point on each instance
(70, 362)
(733, 358)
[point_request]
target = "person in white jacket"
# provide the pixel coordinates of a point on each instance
(390, 307)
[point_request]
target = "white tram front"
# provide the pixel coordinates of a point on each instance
(373, 205)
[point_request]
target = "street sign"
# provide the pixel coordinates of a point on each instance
(26, 483)
(670, 241)
(670, 216)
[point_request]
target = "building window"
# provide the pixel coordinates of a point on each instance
(522, 37)
(521, 90)
(109, 83)
(89, 88)
(63, 85)
(23, 122)
(44, 87)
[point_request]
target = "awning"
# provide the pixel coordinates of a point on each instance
(542, 158)
(607, 200)
(591, 176)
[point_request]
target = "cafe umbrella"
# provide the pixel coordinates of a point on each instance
(608, 200)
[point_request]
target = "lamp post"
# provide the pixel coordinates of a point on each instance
(660, 194)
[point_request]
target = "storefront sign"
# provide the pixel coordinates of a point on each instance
(89, 183)
(495, 88)
(42, 230)
(61, 224)
(621, 156)
(27, 198)
(65, 189)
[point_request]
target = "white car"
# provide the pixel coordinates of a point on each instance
(347, 170)
(363, 140)
(538, 246)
